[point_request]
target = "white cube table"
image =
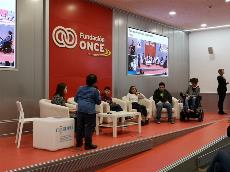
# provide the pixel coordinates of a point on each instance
(53, 133)
(114, 116)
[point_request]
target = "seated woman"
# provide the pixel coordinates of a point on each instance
(134, 96)
(191, 95)
(59, 97)
(107, 98)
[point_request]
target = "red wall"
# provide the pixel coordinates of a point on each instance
(73, 65)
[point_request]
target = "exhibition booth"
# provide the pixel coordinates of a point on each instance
(68, 40)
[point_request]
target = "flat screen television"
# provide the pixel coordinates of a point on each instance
(147, 53)
(7, 33)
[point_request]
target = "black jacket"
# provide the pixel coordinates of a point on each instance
(166, 96)
(222, 85)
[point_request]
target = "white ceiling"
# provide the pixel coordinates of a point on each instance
(190, 13)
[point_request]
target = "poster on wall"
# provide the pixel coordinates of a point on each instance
(7, 33)
(147, 53)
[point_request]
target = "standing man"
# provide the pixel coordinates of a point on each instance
(163, 99)
(87, 97)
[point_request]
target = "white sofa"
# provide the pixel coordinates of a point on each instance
(145, 102)
(47, 109)
(164, 113)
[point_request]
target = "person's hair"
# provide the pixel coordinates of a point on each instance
(194, 80)
(10, 32)
(161, 83)
(220, 71)
(60, 89)
(91, 79)
(107, 88)
(130, 89)
(228, 131)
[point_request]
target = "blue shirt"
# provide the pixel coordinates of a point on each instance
(86, 98)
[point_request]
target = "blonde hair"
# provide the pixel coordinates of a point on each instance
(220, 71)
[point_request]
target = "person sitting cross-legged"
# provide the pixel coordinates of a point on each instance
(106, 97)
(163, 99)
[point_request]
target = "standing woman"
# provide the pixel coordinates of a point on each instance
(222, 89)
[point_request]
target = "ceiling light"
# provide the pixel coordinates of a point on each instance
(172, 13)
(203, 25)
(227, 0)
(208, 28)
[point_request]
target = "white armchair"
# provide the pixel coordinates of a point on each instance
(106, 108)
(47, 109)
(145, 102)
(99, 108)
(164, 113)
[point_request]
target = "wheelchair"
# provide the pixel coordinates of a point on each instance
(6, 47)
(196, 111)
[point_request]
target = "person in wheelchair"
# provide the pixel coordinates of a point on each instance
(192, 101)
(7, 42)
(192, 97)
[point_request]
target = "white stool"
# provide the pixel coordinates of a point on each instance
(53, 133)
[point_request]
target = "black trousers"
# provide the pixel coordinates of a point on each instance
(85, 127)
(140, 108)
(115, 107)
(221, 102)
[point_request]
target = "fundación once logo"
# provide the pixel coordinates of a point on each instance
(93, 45)
(64, 37)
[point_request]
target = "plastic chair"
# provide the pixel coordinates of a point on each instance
(21, 121)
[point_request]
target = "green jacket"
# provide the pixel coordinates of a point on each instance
(162, 96)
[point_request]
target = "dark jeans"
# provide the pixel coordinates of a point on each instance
(221, 102)
(221, 162)
(85, 127)
(190, 103)
(161, 105)
(140, 108)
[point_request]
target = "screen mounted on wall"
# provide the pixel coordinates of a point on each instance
(7, 33)
(147, 53)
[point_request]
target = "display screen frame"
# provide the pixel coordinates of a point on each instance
(147, 68)
(8, 47)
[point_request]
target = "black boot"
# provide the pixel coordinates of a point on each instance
(92, 146)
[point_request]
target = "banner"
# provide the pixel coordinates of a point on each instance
(80, 44)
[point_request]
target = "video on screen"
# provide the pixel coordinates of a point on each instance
(147, 53)
(7, 33)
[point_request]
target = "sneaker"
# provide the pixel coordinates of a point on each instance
(79, 144)
(142, 123)
(147, 121)
(190, 110)
(92, 146)
(171, 121)
(203, 169)
(222, 113)
(158, 121)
